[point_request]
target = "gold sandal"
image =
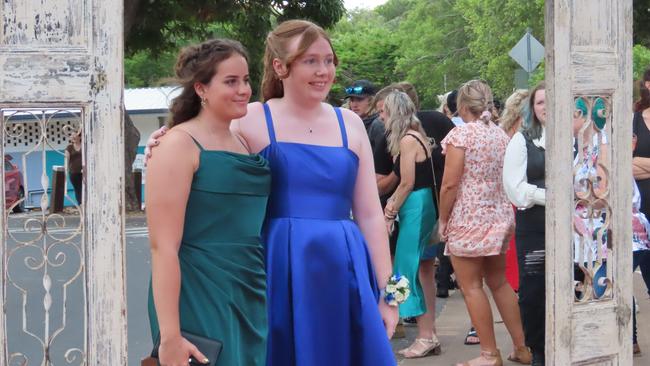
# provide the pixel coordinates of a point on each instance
(521, 355)
(431, 346)
(485, 359)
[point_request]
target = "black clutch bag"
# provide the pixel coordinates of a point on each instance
(209, 347)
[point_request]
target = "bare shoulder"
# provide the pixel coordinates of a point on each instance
(254, 111)
(356, 131)
(252, 127)
(250, 122)
(352, 120)
(407, 143)
(176, 145)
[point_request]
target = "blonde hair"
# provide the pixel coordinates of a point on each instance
(442, 99)
(400, 111)
(513, 109)
(277, 46)
(476, 97)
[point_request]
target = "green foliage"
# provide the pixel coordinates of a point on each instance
(395, 9)
(165, 25)
(365, 48)
(142, 70)
(641, 22)
(641, 60)
(494, 27)
(434, 44)
(433, 52)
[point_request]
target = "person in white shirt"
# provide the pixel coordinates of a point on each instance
(524, 184)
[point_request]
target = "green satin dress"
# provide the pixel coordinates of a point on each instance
(223, 279)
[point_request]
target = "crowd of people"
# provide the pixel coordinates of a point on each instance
(293, 226)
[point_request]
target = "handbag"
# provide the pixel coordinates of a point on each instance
(209, 347)
(435, 237)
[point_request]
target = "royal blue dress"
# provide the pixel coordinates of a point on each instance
(321, 288)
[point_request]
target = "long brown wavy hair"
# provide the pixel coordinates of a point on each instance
(198, 63)
(644, 101)
(277, 46)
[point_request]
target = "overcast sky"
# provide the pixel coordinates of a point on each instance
(368, 4)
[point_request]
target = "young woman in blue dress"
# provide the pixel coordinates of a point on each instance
(325, 270)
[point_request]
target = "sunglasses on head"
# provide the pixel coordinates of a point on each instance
(356, 90)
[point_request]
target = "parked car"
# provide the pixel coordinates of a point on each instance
(14, 187)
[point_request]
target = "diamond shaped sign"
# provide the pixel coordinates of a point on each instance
(528, 52)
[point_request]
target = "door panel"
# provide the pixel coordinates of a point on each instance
(588, 216)
(63, 283)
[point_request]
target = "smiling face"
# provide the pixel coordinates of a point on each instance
(229, 91)
(311, 74)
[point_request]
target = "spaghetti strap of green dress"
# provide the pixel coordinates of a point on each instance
(223, 279)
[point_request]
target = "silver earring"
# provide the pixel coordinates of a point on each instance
(204, 102)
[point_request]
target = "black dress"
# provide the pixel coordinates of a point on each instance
(642, 150)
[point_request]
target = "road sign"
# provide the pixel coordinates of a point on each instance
(528, 52)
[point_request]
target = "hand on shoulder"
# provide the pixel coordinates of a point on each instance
(175, 146)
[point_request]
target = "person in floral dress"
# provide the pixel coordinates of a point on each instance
(476, 220)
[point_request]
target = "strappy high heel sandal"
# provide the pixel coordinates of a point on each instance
(485, 359)
(521, 355)
(422, 347)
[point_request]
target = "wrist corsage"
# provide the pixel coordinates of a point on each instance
(397, 290)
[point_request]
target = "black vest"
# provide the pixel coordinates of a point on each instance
(533, 219)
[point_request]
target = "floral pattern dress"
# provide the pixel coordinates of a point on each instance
(482, 220)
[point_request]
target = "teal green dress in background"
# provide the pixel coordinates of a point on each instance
(223, 279)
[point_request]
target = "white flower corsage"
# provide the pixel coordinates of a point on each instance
(397, 290)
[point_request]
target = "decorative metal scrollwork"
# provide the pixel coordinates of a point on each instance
(592, 243)
(43, 252)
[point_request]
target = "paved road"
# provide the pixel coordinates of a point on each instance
(452, 325)
(26, 292)
(452, 317)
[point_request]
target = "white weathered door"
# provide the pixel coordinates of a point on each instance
(63, 282)
(588, 217)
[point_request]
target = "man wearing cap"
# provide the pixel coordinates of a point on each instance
(360, 95)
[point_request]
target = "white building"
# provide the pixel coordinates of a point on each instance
(147, 107)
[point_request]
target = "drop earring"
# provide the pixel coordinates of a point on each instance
(204, 102)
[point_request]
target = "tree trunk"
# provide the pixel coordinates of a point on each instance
(131, 133)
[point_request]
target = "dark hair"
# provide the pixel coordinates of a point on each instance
(451, 102)
(409, 89)
(403, 86)
(644, 93)
(198, 63)
(534, 129)
(277, 46)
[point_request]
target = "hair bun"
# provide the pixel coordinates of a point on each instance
(184, 63)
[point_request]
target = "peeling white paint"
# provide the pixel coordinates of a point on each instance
(588, 45)
(69, 53)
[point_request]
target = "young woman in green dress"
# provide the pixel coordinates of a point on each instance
(206, 198)
(413, 202)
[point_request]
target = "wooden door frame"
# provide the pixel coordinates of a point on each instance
(99, 93)
(565, 319)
